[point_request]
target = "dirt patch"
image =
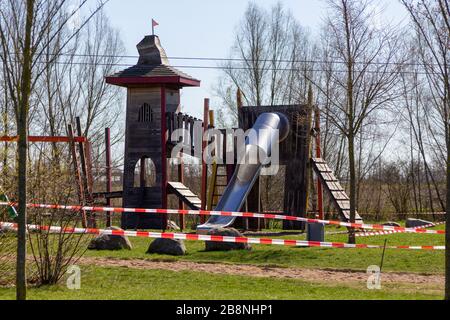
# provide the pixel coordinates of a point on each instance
(313, 275)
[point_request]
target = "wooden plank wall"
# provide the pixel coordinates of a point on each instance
(294, 155)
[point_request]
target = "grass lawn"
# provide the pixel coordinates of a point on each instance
(128, 283)
(124, 283)
(355, 259)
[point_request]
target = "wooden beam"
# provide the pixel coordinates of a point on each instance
(181, 180)
(84, 171)
(239, 98)
(108, 195)
(204, 165)
(318, 155)
(90, 176)
(77, 174)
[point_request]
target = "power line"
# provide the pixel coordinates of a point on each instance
(224, 68)
(333, 61)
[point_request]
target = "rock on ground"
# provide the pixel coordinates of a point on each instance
(391, 224)
(413, 223)
(171, 247)
(225, 246)
(110, 242)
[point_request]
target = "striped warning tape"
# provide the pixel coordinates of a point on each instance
(213, 238)
(378, 233)
(228, 214)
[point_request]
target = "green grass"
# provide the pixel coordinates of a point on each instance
(355, 259)
(123, 283)
(127, 283)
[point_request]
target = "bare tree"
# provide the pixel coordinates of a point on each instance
(23, 43)
(60, 97)
(397, 179)
(362, 71)
(432, 23)
(268, 61)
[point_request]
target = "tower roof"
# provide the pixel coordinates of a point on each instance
(153, 67)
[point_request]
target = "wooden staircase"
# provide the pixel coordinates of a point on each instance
(184, 194)
(334, 189)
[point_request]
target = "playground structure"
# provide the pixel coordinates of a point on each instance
(82, 163)
(153, 115)
(230, 193)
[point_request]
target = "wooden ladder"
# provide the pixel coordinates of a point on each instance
(217, 184)
(337, 193)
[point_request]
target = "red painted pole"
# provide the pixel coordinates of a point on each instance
(204, 165)
(108, 173)
(319, 155)
(180, 202)
(164, 154)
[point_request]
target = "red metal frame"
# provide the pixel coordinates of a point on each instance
(180, 202)
(44, 139)
(181, 205)
(72, 140)
(108, 173)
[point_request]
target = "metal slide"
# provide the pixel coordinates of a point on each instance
(269, 129)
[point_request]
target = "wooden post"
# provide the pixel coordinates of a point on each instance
(319, 155)
(108, 173)
(90, 177)
(239, 98)
(212, 124)
(90, 180)
(77, 174)
(181, 180)
(211, 198)
(82, 159)
(84, 171)
(204, 165)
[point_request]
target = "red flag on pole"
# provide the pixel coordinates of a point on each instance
(154, 24)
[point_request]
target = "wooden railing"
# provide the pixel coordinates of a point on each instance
(183, 121)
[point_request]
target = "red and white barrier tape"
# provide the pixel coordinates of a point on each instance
(378, 233)
(228, 214)
(198, 237)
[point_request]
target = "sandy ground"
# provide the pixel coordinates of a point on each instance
(310, 275)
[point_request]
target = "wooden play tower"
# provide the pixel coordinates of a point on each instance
(153, 92)
(153, 114)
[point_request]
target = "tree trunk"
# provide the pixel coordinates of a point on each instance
(351, 159)
(22, 124)
(6, 133)
(447, 224)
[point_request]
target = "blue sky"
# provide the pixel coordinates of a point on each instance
(205, 28)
